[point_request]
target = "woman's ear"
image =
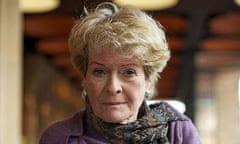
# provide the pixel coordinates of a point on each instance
(149, 83)
(149, 91)
(84, 91)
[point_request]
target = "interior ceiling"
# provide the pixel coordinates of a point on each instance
(183, 6)
(192, 27)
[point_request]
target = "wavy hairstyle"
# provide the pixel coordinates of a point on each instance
(125, 30)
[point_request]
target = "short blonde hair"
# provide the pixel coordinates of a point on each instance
(126, 29)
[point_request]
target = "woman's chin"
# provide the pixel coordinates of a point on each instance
(118, 119)
(113, 119)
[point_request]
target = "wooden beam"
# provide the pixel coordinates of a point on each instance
(10, 73)
(43, 26)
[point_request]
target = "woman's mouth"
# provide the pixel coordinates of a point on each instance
(113, 103)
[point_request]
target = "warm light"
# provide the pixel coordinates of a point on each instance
(36, 6)
(148, 4)
(237, 2)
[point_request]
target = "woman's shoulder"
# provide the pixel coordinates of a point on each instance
(59, 131)
(183, 132)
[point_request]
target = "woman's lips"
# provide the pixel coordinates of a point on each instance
(113, 103)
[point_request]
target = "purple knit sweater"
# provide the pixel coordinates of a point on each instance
(75, 131)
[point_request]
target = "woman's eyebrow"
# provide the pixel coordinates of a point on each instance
(121, 65)
(96, 63)
(131, 64)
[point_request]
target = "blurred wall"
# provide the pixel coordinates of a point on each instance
(48, 96)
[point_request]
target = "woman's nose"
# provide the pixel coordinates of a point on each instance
(114, 85)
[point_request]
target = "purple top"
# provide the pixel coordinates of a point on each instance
(75, 131)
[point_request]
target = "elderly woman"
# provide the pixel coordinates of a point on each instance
(120, 52)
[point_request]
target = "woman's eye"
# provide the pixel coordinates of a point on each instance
(99, 72)
(130, 73)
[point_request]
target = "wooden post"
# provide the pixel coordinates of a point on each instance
(227, 98)
(10, 73)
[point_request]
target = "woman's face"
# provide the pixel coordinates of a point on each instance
(116, 86)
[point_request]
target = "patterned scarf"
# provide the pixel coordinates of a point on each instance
(151, 127)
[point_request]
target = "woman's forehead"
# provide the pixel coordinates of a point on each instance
(105, 55)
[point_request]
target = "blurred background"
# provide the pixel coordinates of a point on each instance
(39, 86)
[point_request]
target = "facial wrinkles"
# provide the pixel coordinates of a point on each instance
(113, 64)
(115, 74)
(113, 80)
(115, 77)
